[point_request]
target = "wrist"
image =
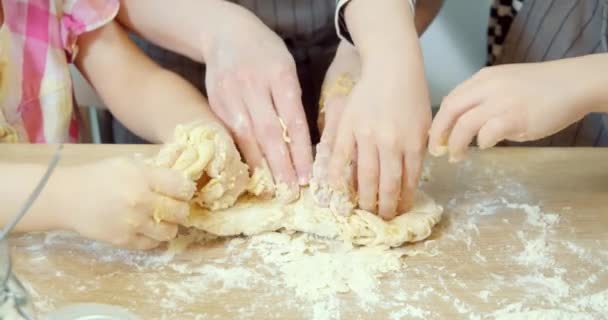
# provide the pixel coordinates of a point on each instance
(63, 198)
(380, 29)
(407, 69)
(390, 65)
(401, 76)
(345, 63)
(49, 209)
(597, 81)
(209, 26)
(391, 57)
(346, 51)
(589, 82)
(227, 21)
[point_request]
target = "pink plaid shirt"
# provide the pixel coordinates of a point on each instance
(37, 43)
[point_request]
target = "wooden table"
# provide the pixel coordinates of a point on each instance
(524, 230)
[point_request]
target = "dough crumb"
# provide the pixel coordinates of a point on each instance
(227, 201)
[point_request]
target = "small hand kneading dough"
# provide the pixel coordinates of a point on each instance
(208, 156)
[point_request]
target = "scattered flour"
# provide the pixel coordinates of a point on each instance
(323, 280)
(537, 252)
(543, 314)
(409, 312)
(316, 270)
(484, 295)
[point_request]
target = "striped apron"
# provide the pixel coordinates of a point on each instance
(307, 26)
(545, 30)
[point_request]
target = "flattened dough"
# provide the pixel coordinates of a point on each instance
(250, 216)
(224, 208)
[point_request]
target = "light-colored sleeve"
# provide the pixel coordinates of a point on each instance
(340, 21)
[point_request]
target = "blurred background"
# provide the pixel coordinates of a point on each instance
(454, 46)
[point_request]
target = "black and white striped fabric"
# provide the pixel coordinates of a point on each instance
(502, 13)
(545, 30)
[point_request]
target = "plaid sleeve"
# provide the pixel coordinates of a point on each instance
(81, 16)
(340, 21)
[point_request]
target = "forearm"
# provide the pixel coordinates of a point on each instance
(146, 98)
(347, 59)
(187, 27)
(387, 38)
(426, 11)
(594, 79)
(158, 101)
(18, 182)
(587, 78)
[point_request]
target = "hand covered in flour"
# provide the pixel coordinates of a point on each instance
(382, 131)
(253, 87)
(339, 80)
(126, 202)
(341, 76)
(518, 102)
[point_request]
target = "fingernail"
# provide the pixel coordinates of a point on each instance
(455, 158)
(303, 180)
(386, 217)
(438, 151)
(487, 144)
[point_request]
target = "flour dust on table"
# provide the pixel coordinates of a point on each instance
(498, 252)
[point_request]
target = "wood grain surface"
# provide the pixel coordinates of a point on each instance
(498, 251)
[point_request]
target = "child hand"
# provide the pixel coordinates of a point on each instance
(341, 76)
(126, 202)
(383, 128)
(253, 87)
(519, 102)
(339, 80)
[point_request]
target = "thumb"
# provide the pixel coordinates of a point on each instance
(320, 182)
(334, 108)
